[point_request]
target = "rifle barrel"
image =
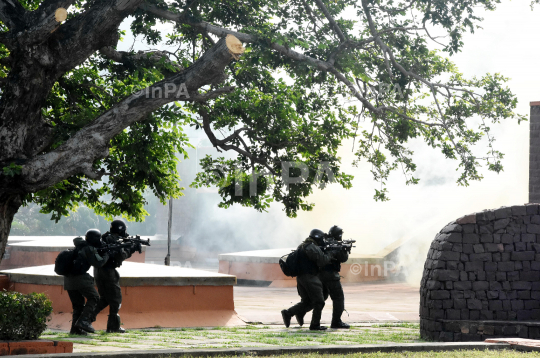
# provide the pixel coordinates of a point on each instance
(137, 239)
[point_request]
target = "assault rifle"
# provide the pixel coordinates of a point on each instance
(136, 242)
(112, 248)
(339, 245)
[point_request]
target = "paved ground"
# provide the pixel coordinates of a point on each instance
(521, 343)
(372, 302)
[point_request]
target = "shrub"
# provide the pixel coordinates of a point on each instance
(23, 316)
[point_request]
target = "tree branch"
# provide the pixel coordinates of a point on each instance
(212, 94)
(42, 23)
(48, 6)
(89, 171)
(360, 44)
(294, 55)
(91, 142)
(31, 27)
(88, 32)
(385, 48)
(432, 86)
(331, 20)
(311, 15)
(223, 142)
(12, 14)
(235, 134)
(154, 57)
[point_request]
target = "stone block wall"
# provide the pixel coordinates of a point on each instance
(482, 277)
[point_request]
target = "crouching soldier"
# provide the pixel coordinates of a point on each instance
(80, 285)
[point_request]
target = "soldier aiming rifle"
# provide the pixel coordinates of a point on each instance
(107, 277)
(330, 277)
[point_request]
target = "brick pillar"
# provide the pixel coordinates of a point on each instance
(534, 154)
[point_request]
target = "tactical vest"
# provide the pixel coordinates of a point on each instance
(115, 259)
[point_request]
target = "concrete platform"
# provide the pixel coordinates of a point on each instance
(153, 295)
(261, 267)
(25, 251)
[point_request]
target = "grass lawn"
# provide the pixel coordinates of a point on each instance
(233, 337)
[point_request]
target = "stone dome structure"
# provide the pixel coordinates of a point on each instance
(482, 277)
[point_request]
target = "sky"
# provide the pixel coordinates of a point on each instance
(507, 44)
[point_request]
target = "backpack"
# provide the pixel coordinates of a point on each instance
(289, 264)
(69, 262)
(80, 265)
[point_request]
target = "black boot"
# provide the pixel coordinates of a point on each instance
(77, 331)
(113, 324)
(84, 325)
(316, 320)
(300, 318)
(286, 318)
(340, 324)
(74, 319)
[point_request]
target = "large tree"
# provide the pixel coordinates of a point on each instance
(82, 122)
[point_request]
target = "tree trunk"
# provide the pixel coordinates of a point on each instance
(9, 205)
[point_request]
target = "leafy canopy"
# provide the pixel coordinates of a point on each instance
(312, 72)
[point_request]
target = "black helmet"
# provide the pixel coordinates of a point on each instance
(317, 235)
(93, 237)
(118, 227)
(336, 232)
